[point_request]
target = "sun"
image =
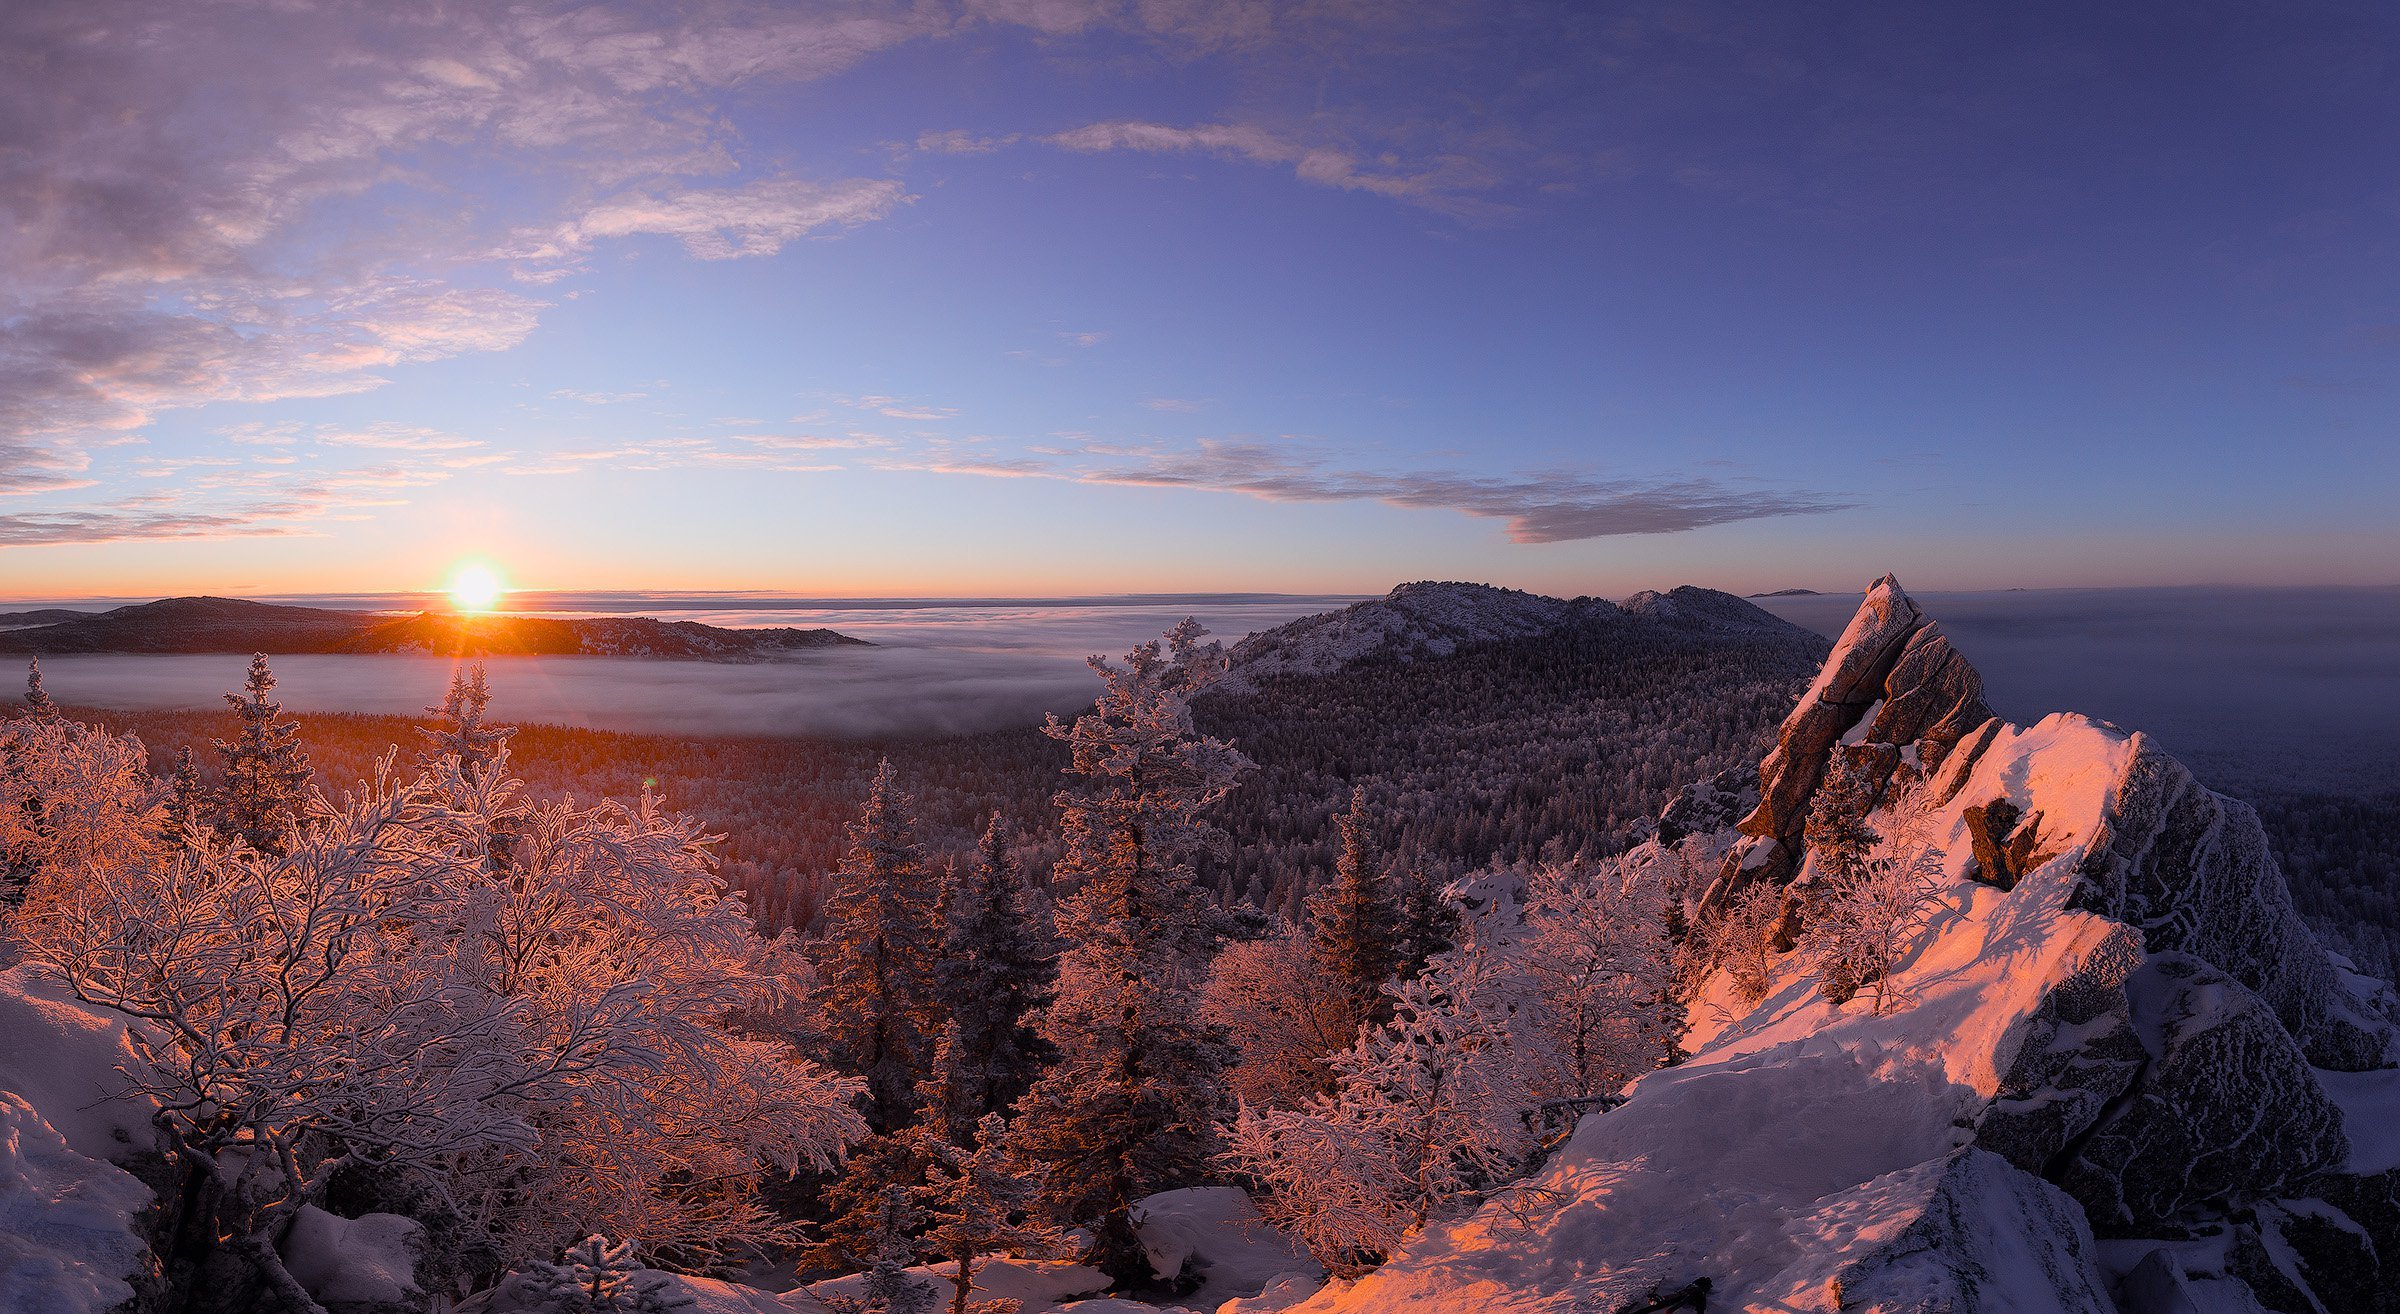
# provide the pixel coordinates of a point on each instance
(475, 587)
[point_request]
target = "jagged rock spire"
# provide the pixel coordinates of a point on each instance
(1892, 665)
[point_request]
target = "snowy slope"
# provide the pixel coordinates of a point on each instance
(2126, 1039)
(70, 1240)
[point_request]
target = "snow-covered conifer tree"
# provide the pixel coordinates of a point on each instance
(996, 968)
(266, 775)
(187, 797)
(460, 731)
(1354, 921)
(37, 699)
(1429, 920)
(890, 1288)
(1837, 831)
(881, 936)
(1132, 1104)
(594, 1277)
(979, 1202)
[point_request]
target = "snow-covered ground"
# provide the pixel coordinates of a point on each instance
(68, 1217)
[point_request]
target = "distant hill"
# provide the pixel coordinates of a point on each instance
(234, 625)
(1789, 593)
(10, 620)
(1486, 722)
(1432, 619)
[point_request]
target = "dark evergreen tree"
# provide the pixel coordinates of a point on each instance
(880, 939)
(17, 866)
(1837, 832)
(1132, 1104)
(978, 1203)
(187, 797)
(1429, 921)
(855, 1224)
(266, 773)
(996, 968)
(1354, 923)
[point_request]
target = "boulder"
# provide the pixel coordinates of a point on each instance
(2224, 1112)
(2076, 1054)
(1708, 805)
(2192, 871)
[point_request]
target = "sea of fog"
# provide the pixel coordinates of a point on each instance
(2256, 688)
(938, 668)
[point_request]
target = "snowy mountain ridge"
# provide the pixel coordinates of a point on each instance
(1437, 618)
(2118, 1073)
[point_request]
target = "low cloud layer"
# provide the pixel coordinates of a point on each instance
(938, 671)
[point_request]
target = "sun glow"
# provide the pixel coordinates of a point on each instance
(475, 587)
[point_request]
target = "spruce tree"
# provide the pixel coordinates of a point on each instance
(995, 969)
(17, 865)
(187, 797)
(37, 699)
(460, 732)
(977, 1202)
(1132, 1104)
(266, 772)
(890, 1288)
(880, 935)
(1354, 922)
(855, 1227)
(1429, 922)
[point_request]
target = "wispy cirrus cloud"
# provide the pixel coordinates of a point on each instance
(726, 223)
(1449, 183)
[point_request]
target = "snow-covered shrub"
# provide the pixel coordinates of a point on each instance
(1740, 941)
(1285, 1015)
(1426, 1109)
(547, 1042)
(1595, 951)
(1872, 897)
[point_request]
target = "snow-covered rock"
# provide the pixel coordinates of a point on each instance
(1214, 1233)
(355, 1264)
(2136, 1037)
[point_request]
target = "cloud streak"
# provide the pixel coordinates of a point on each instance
(1542, 507)
(1446, 184)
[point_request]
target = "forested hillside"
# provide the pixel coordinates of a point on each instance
(1497, 750)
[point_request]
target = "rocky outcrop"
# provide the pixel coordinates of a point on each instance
(1892, 670)
(2222, 1112)
(1709, 804)
(2191, 870)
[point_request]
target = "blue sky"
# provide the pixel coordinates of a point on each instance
(1007, 296)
